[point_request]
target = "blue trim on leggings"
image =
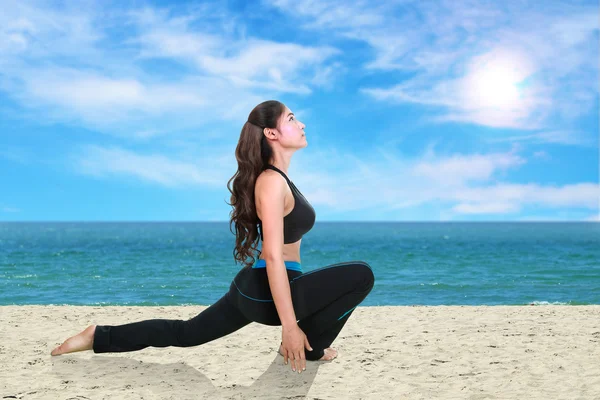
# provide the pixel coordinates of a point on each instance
(260, 263)
(347, 312)
(343, 264)
(292, 265)
(251, 298)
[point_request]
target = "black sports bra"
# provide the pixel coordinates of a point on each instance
(300, 220)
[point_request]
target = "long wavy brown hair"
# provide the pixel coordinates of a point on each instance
(253, 154)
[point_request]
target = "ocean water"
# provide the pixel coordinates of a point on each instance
(446, 263)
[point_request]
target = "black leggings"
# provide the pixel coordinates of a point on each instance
(323, 300)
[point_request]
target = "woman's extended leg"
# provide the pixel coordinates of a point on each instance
(325, 298)
(218, 320)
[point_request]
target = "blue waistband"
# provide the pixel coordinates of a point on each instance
(293, 265)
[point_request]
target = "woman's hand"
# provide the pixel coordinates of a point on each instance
(293, 341)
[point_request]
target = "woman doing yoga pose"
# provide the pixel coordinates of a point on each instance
(310, 307)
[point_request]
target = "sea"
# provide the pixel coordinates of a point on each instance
(191, 263)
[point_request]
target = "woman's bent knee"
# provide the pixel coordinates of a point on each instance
(365, 275)
(369, 277)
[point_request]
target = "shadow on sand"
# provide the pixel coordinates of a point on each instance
(121, 375)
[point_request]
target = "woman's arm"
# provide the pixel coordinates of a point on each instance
(280, 289)
(270, 198)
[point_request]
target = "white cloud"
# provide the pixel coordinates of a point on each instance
(552, 52)
(71, 65)
(250, 63)
(334, 15)
(562, 217)
(98, 161)
(563, 137)
(459, 169)
(129, 107)
(542, 155)
(487, 208)
(593, 217)
(570, 195)
(326, 76)
(83, 91)
(33, 31)
(464, 184)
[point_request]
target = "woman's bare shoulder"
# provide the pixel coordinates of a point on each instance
(268, 180)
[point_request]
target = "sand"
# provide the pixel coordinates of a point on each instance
(412, 352)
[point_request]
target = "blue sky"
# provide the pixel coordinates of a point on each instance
(414, 110)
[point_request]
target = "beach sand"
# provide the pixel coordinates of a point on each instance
(390, 352)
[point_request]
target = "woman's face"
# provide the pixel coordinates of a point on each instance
(292, 130)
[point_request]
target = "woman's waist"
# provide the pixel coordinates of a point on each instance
(254, 281)
(289, 264)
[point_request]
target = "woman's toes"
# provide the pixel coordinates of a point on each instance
(329, 354)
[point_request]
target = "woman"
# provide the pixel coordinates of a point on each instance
(310, 307)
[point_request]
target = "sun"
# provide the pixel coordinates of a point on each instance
(496, 86)
(495, 81)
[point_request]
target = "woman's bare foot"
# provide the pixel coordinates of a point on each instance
(329, 353)
(79, 342)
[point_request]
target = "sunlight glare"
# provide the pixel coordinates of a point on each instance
(496, 87)
(493, 81)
